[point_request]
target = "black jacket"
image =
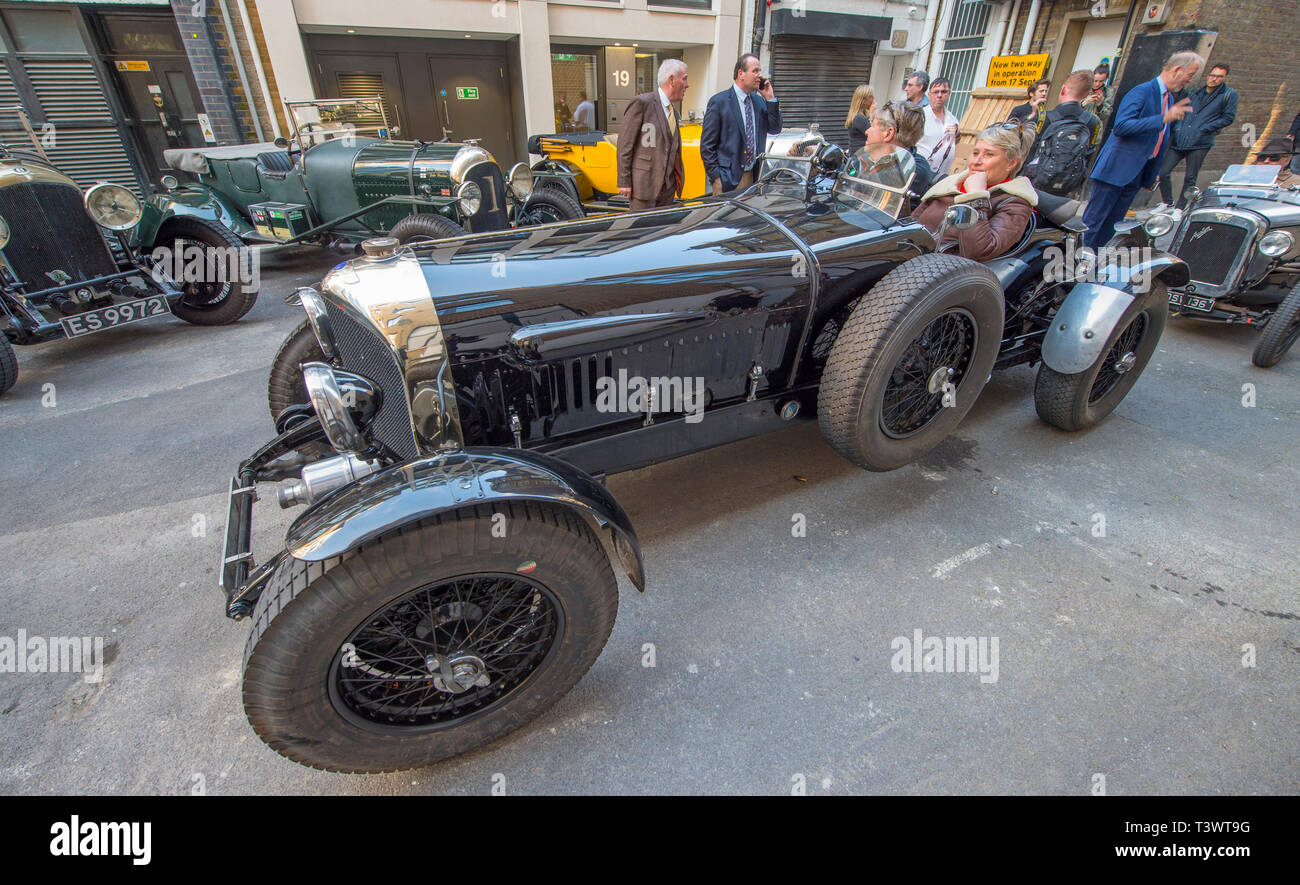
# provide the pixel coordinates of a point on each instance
(1211, 112)
(858, 133)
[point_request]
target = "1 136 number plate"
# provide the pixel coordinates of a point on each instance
(118, 315)
(1191, 302)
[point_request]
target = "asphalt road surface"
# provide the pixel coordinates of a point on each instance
(1139, 582)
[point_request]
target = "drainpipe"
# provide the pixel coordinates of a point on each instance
(1005, 48)
(1000, 35)
(239, 66)
(1031, 23)
(927, 35)
(261, 72)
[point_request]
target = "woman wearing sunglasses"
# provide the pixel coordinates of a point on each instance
(1004, 203)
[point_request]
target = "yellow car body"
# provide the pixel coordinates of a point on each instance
(592, 157)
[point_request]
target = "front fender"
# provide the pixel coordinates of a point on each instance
(1080, 328)
(196, 201)
(382, 502)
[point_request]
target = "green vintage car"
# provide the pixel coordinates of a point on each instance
(341, 178)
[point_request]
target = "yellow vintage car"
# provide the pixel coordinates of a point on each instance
(588, 162)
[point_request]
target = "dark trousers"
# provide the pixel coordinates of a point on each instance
(1173, 157)
(1106, 207)
(664, 198)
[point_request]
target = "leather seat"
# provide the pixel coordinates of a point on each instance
(275, 164)
(1057, 211)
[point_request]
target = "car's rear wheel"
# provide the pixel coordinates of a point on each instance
(911, 359)
(8, 365)
(1279, 333)
(1081, 400)
(227, 287)
(546, 206)
(425, 227)
(429, 642)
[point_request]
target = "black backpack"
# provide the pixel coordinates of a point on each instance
(1059, 162)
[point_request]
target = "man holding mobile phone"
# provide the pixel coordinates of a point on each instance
(737, 122)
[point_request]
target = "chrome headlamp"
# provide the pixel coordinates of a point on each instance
(113, 207)
(327, 399)
(1160, 224)
(1275, 243)
(469, 197)
(520, 182)
(318, 319)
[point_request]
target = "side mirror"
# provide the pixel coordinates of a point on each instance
(958, 215)
(281, 142)
(1193, 196)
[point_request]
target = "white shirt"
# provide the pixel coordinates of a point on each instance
(585, 115)
(934, 145)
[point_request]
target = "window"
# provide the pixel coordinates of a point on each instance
(574, 82)
(44, 31)
(961, 51)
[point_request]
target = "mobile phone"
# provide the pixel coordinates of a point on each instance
(762, 83)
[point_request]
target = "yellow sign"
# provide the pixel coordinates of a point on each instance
(133, 65)
(1017, 70)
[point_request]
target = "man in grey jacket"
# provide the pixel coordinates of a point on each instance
(1214, 106)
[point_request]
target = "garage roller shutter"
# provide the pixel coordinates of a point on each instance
(815, 77)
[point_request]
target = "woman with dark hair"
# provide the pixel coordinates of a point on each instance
(859, 119)
(1004, 204)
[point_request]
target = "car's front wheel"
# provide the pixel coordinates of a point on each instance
(911, 359)
(1279, 333)
(219, 283)
(429, 642)
(546, 206)
(8, 365)
(1081, 400)
(424, 227)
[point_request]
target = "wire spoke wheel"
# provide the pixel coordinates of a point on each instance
(444, 652)
(1120, 359)
(932, 365)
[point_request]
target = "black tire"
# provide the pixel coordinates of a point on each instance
(301, 704)
(284, 386)
(564, 186)
(1082, 400)
(425, 226)
(1279, 333)
(218, 302)
(884, 351)
(8, 365)
(548, 205)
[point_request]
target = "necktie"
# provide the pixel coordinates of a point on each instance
(1164, 109)
(748, 159)
(672, 119)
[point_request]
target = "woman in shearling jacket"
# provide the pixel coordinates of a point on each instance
(1005, 203)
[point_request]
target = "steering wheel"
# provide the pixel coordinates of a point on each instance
(794, 175)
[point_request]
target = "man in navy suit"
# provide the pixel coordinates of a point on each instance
(737, 122)
(1131, 157)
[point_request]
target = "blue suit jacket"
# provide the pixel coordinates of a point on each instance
(1126, 155)
(722, 141)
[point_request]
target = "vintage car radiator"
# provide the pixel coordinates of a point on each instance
(1210, 250)
(364, 351)
(52, 232)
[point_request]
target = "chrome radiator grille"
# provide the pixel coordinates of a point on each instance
(1210, 250)
(362, 350)
(51, 232)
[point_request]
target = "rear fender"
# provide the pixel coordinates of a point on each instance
(402, 495)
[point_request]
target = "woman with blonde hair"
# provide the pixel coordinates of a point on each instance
(859, 119)
(1004, 204)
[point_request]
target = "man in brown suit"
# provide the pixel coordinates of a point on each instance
(650, 171)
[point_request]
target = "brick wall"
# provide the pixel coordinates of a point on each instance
(1256, 37)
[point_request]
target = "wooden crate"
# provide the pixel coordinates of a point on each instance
(987, 106)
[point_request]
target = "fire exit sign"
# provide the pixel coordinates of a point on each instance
(464, 93)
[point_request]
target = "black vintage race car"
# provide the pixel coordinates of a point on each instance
(445, 585)
(75, 263)
(1241, 241)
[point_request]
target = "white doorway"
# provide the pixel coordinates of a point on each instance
(1098, 43)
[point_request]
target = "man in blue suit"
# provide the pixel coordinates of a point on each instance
(1131, 157)
(737, 122)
